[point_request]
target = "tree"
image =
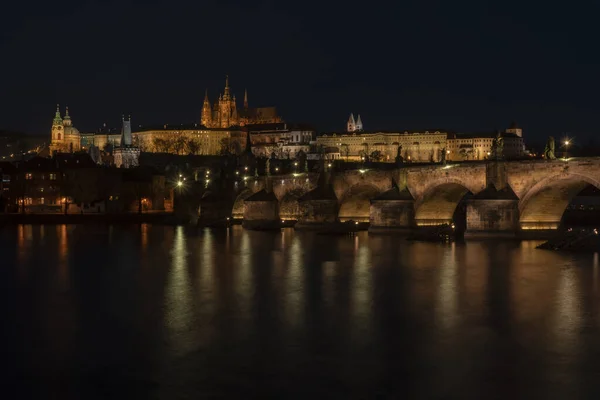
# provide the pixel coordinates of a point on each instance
(80, 186)
(160, 145)
(376, 156)
(465, 154)
(225, 143)
(193, 146)
(108, 148)
(345, 150)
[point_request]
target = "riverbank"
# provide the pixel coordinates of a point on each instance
(144, 218)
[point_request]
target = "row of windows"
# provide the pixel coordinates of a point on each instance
(29, 176)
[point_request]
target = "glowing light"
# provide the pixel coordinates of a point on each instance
(295, 164)
(362, 171)
(488, 153)
(245, 178)
(245, 168)
(180, 175)
(447, 151)
(276, 169)
(356, 223)
(179, 183)
(566, 142)
(208, 181)
(237, 172)
(329, 165)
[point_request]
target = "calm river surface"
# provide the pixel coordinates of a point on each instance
(170, 312)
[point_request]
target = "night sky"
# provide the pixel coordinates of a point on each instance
(456, 65)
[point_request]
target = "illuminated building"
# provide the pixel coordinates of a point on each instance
(419, 146)
(225, 114)
(126, 155)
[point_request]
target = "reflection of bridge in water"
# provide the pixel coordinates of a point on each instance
(498, 197)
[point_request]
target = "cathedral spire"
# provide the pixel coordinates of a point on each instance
(245, 98)
(226, 95)
(351, 127)
(359, 125)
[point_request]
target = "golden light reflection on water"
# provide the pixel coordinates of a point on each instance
(293, 285)
(447, 292)
(206, 277)
(63, 256)
(361, 281)
(178, 301)
(567, 314)
(144, 228)
(24, 238)
(243, 272)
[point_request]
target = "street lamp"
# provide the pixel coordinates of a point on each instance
(567, 142)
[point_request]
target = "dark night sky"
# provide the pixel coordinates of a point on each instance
(457, 65)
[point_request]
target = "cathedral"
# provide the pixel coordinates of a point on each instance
(224, 113)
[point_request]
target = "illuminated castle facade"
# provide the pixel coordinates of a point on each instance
(224, 113)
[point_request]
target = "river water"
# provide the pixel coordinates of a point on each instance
(170, 312)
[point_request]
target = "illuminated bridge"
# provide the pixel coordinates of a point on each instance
(496, 196)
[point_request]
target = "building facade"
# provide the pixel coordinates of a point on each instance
(224, 113)
(420, 146)
(280, 140)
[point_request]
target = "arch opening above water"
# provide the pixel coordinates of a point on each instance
(439, 204)
(545, 203)
(356, 203)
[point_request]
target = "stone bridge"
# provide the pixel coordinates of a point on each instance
(496, 196)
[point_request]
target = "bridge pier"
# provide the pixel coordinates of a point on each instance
(261, 211)
(319, 209)
(493, 213)
(392, 211)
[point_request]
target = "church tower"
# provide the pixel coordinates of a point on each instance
(359, 126)
(225, 106)
(206, 118)
(245, 99)
(515, 129)
(58, 134)
(351, 124)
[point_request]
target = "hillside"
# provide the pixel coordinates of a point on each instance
(12, 144)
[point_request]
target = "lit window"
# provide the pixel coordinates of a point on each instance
(52, 177)
(29, 176)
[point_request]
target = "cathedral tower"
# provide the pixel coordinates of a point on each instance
(351, 127)
(359, 126)
(206, 118)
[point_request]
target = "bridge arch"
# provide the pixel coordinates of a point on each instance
(543, 206)
(356, 202)
(238, 205)
(439, 202)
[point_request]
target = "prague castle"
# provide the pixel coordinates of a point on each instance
(224, 113)
(222, 128)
